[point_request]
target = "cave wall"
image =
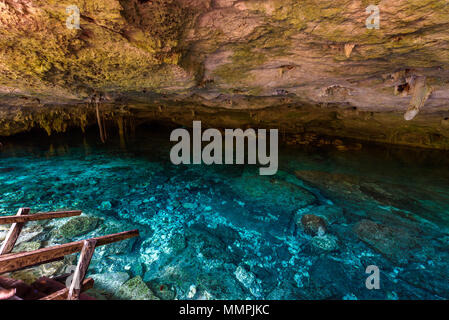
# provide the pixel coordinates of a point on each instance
(316, 58)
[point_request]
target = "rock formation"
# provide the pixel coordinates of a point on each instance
(295, 65)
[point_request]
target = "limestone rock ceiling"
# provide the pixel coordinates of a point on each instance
(246, 52)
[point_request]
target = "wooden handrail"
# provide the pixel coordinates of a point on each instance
(16, 261)
(39, 216)
(81, 269)
(14, 232)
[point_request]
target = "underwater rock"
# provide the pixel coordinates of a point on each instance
(350, 296)
(51, 269)
(117, 263)
(249, 281)
(106, 205)
(162, 290)
(323, 286)
(27, 275)
(135, 289)
(29, 233)
(331, 213)
(221, 283)
(313, 225)
(188, 205)
(192, 292)
(353, 189)
(282, 193)
(27, 246)
(109, 282)
(333, 184)
(121, 247)
(111, 226)
(178, 242)
(276, 200)
(432, 279)
(394, 243)
(281, 294)
(78, 226)
(324, 243)
(3, 231)
(30, 275)
(213, 243)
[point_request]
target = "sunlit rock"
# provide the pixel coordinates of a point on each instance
(135, 289)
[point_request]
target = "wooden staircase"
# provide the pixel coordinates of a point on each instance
(47, 288)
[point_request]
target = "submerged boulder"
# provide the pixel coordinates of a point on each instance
(163, 290)
(281, 193)
(393, 242)
(27, 246)
(29, 233)
(30, 275)
(325, 243)
(109, 282)
(249, 281)
(313, 225)
(78, 226)
(135, 289)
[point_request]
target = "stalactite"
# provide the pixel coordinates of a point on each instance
(99, 121)
(105, 127)
(348, 49)
(420, 94)
(121, 131)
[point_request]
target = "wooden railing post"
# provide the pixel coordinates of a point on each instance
(13, 233)
(81, 269)
(17, 261)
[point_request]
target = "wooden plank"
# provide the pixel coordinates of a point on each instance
(81, 269)
(39, 216)
(15, 261)
(8, 294)
(63, 293)
(14, 232)
(26, 267)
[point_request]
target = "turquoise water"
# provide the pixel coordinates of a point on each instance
(232, 234)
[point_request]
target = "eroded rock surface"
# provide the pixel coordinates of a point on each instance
(237, 55)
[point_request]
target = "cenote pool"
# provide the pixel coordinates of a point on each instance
(225, 232)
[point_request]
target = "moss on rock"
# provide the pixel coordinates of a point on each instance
(135, 289)
(78, 226)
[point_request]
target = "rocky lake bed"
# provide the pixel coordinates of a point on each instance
(218, 232)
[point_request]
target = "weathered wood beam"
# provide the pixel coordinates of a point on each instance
(8, 294)
(81, 269)
(14, 232)
(63, 293)
(26, 267)
(38, 216)
(15, 261)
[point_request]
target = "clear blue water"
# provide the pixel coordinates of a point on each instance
(236, 235)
